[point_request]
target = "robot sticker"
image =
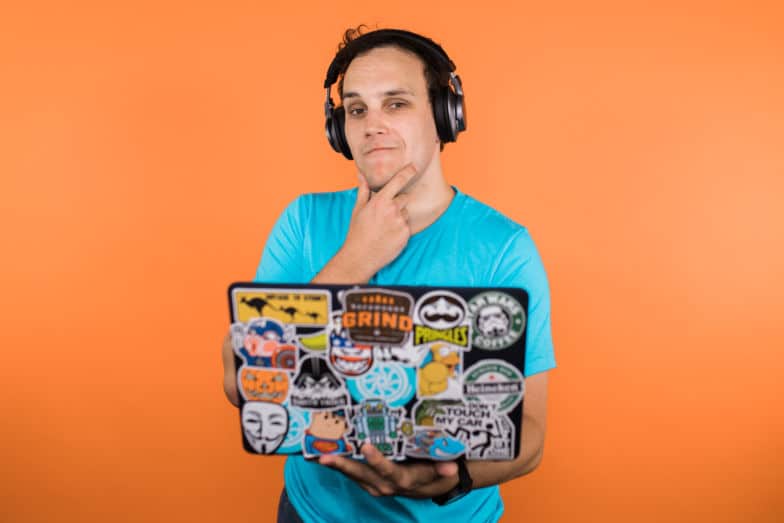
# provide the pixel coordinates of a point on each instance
(348, 358)
(441, 316)
(377, 317)
(327, 434)
(433, 444)
(439, 374)
(264, 342)
(376, 423)
(497, 320)
(263, 385)
(302, 308)
(494, 381)
(484, 433)
(316, 386)
(264, 425)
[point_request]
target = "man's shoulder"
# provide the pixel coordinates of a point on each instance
(319, 200)
(485, 217)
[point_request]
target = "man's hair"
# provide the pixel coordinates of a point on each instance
(357, 42)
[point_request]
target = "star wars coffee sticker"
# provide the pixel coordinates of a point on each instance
(264, 425)
(377, 317)
(494, 381)
(433, 444)
(316, 386)
(347, 358)
(497, 320)
(478, 426)
(303, 308)
(441, 316)
(439, 375)
(327, 434)
(263, 385)
(264, 342)
(376, 423)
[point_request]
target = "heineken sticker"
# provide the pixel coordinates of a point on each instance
(494, 381)
(497, 320)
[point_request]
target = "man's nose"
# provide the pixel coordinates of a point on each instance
(375, 122)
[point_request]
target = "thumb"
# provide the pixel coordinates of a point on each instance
(446, 468)
(363, 193)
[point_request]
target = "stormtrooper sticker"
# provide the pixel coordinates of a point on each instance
(497, 320)
(347, 357)
(263, 385)
(441, 316)
(264, 425)
(264, 342)
(494, 381)
(316, 386)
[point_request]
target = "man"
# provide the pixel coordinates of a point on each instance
(404, 224)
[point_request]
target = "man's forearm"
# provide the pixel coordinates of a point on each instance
(344, 268)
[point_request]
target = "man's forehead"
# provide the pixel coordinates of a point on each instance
(384, 71)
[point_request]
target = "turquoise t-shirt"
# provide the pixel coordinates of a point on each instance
(469, 245)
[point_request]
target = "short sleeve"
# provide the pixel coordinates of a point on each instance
(282, 260)
(520, 266)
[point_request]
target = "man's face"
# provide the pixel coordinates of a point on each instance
(389, 119)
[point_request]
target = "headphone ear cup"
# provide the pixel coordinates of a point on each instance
(444, 114)
(339, 130)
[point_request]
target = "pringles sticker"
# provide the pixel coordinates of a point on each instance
(377, 317)
(441, 316)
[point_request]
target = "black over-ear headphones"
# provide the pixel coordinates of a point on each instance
(448, 104)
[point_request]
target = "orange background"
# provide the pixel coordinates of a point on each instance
(146, 149)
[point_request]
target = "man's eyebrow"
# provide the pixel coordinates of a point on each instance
(393, 92)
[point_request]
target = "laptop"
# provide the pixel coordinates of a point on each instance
(419, 372)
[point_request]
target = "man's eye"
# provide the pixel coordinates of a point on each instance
(397, 105)
(356, 111)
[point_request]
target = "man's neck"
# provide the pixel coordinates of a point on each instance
(430, 197)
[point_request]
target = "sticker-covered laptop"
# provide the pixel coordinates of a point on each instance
(419, 372)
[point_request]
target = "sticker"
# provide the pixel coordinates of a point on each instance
(326, 434)
(408, 354)
(439, 375)
(316, 341)
(441, 316)
(302, 308)
(299, 419)
(316, 386)
(483, 431)
(494, 439)
(377, 317)
(264, 342)
(433, 444)
(264, 425)
(497, 320)
(388, 381)
(376, 423)
(494, 381)
(347, 357)
(263, 385)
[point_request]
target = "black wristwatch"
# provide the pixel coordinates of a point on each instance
(463, 487)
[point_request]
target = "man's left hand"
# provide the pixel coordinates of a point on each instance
(383, 477)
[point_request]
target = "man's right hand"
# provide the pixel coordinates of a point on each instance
(378, 232)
